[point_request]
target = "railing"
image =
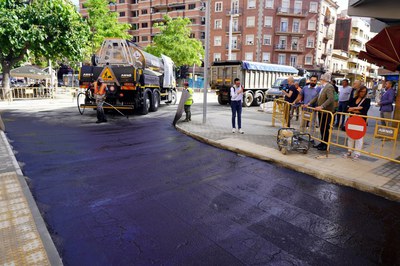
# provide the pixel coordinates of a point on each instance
(292, 11)
(234, 29)
(280, 112)
(35, 92)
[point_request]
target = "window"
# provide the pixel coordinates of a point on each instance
(296, 26)
(248, 56)
(145, 25)
(217, 41)
(193, 35)
(122, 14)
(284, 25)
(298, 5)
(233, 56)
(218, 24)
(267, 39)
(266, 57)
(308, 60)
(310, 42)
(269, 4)
(251, 4)
(135, 26)
(250, 21)
(249, 39)
(293, 60)
(268, 22)
(145, 38)
(217, 56)
(313, 7)
(285, 6)
(282, 59)
(134, 1)
(218, 6)
(191, 6)
(312, 25)
(121, 1)
(144, 11)
(135, 13)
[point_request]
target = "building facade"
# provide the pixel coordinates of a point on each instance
(290, 32)
(351, 37)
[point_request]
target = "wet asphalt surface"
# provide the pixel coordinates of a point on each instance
(137, 192)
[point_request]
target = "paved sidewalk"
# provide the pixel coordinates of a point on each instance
(24, 239)
(369, 174)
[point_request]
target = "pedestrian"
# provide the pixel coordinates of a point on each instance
(356, 86)
(100, 89)
(358, 105)
(291, 94)
(386, 102)
(335, 95)
(188, 102)
(295, 104)
(325, 101)
(344, 98)
(236, 105)
(306, 95)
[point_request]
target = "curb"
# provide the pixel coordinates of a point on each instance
(340, 180)
(48, 244)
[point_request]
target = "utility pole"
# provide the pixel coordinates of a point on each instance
(206, 60)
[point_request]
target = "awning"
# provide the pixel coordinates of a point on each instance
(32, 72)
(269, 67)
(384, 49)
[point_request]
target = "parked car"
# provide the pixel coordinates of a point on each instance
(280, 84)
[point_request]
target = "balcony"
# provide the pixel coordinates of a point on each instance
(291, 12)
(353, 60)
(235, 47)
(235, 29)
(286, 31)
(234, 11)
(175, 3)
(289, 48)
(357, 38)
(329, 19)
(355, 48)
(328, 37)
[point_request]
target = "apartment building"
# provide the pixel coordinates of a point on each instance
(351, 36)
(142, 14)
(291, 32)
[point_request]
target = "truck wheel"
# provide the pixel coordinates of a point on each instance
(221, 101)
(155, 102)
(173, 98)
(258, 98)
(146, 103)
(248, 99)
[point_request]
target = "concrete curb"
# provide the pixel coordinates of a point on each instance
(341, 180)
(51, 251)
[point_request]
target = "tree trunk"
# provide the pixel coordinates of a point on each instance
(7, 93)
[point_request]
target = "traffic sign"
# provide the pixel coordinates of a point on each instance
(356, 127)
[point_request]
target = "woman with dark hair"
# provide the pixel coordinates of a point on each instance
(359, 105)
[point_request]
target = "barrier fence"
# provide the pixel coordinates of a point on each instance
(35, 92)
(376, 137)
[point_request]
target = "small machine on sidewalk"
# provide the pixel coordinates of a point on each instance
(289, 139)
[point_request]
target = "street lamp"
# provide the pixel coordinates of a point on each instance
(206, 60)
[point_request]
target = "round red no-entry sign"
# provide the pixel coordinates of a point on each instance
(356, 127)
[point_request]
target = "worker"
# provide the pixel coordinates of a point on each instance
(100, 94)
(188, 102)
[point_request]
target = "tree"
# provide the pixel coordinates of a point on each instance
(40, 28)
(174, 41)
(104, 23)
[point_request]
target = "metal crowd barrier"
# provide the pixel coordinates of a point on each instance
(380, 138)
(27, 93)
(379, 141)
(281, 112)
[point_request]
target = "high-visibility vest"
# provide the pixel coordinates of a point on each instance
(189, 101)
(101, 90)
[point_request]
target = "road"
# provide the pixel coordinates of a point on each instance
(137, 192)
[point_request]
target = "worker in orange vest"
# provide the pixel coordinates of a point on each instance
(100, 95)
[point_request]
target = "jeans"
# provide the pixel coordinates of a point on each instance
(100, 111)
(341, 108)
(188, 113)
(236, 107)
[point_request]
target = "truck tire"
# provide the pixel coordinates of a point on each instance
(248, 99)
(221, 101)
(155, 102)
(146, 102)
(258, 98)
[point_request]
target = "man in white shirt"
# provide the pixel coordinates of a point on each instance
(344, 98)
(236, 105)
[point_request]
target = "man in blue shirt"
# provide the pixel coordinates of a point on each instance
(306, 95)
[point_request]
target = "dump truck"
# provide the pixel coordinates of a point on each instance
(135, 80)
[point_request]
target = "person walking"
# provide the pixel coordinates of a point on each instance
(358, 105)
(386, 102)
(291, 94)
(344, 98)
(100, 94)
(325, 101)
(236, 105)
(188, 102)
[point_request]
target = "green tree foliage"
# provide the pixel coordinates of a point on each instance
(41, 28)
(174, 41)
(104, 23)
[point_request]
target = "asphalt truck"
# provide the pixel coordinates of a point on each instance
(135, 80)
